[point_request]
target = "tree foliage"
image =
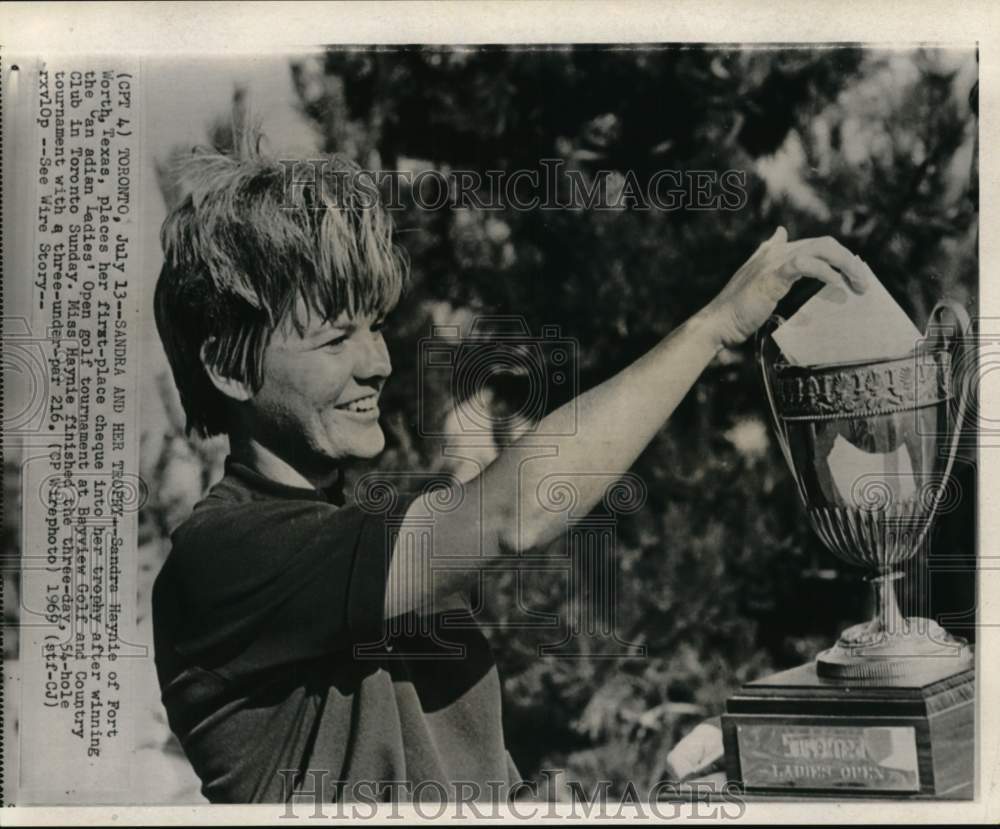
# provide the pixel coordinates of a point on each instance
(719, 578)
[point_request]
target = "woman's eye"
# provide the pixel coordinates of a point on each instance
(378, 326)
(335, 342)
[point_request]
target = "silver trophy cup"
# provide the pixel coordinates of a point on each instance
(871, 446)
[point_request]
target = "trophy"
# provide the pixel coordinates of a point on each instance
(888, 709)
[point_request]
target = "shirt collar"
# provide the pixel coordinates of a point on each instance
(333, 494)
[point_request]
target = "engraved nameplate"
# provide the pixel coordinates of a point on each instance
(882, 758)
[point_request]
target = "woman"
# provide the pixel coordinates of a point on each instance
(302, 644)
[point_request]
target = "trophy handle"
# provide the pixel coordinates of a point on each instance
(938, 327)
(764, 344)
(956, 337)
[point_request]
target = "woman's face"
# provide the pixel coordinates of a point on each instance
(318, 405)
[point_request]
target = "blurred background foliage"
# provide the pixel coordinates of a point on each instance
(719, 577)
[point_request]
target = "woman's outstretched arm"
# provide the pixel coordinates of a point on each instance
(601, 431)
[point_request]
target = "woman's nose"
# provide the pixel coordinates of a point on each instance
(374, 362)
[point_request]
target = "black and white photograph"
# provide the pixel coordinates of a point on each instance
(487, 411)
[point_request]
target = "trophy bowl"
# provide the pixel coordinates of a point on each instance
(871, 446)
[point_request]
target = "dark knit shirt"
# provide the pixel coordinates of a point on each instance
(279, 673)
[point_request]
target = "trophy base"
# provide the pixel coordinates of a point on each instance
(915, 653)
(798, 734)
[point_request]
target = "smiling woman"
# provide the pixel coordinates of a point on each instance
(317, 405)
(248, 254)
(270, 305)
(297, 635)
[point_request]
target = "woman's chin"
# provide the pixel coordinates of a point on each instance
(371, 446)
(358, 444)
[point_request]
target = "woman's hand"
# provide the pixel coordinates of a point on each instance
(752, 294)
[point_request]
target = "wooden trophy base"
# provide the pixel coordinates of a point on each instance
(797, 734)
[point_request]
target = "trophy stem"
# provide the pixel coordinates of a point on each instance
(890, 647)
(888, 621)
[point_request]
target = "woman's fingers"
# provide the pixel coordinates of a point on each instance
(857, 274)
(803, 264)
(779, 237)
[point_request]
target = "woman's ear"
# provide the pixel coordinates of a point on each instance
(229, 386)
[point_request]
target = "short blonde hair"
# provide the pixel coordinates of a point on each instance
(247, 240)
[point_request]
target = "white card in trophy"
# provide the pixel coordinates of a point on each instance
(838, 325)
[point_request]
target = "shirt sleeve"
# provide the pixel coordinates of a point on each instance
(266, 583)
